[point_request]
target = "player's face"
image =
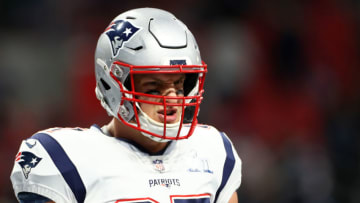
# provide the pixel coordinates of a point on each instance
(163, 85)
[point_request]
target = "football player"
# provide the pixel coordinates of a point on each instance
(150, 80)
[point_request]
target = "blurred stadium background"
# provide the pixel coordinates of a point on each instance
(284, 83)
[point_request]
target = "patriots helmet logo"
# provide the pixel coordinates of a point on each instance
(120, 32)
(27, 161)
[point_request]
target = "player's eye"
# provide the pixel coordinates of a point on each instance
(153, 92)
(179, 82)
(153, 83)
(180, 92)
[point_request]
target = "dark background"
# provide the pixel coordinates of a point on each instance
(283, 83)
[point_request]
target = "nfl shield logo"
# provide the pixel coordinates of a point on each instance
(158, 165)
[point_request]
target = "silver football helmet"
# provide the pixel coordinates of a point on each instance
(148, 41)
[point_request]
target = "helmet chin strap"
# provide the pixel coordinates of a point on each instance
(158, 128)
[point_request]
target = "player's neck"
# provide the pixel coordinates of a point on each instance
(119, 130)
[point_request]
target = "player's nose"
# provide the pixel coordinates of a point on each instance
(172, 94)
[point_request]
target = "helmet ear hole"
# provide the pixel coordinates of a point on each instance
(104, 84)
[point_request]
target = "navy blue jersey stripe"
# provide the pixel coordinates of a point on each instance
(228, 165)
(25, 197)
(64, 164)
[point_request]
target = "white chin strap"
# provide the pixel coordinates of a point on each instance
(158, 128)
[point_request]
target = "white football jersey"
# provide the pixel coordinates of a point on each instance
(87, 165)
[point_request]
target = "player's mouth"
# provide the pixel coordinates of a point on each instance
(171, 115)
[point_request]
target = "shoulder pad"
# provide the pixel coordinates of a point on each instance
(35, 169)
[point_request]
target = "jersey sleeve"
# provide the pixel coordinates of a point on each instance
(231, 176)
(35, 172)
